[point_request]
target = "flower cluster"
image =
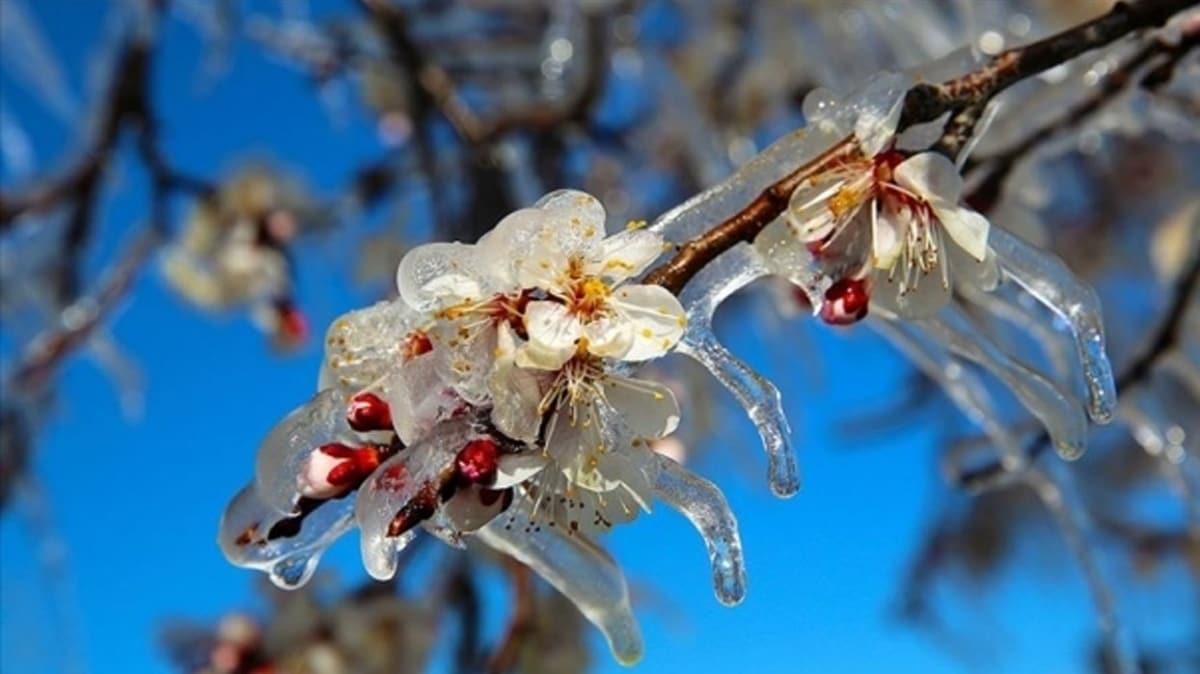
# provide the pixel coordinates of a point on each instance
(233, 253)
(495, 397)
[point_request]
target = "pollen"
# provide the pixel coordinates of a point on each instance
(845, 199)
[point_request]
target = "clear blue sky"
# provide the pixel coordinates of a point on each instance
(136, 502)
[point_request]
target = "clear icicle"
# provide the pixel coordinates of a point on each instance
(1055, 487)
(1014, 312)
(960, 384)
(1048, 279)
(255, 536)
(579, 569)
(1058, 412)
(705, 506)
(758, 396)
(282, 454)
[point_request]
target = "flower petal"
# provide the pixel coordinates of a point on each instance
(657, 317)
(510, 240)
(513, 469)
(648, 408)
(609, 336)
(438, 274)
(516, 392)
(931, 176)
(887, 232)
(966, 227)
(625, 255)
(553, 334)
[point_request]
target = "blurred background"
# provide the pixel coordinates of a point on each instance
(193, 189)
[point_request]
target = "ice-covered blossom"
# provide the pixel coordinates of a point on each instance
(890, 225)
(497, 397)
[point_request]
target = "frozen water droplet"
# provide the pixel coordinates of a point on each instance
(292, 572)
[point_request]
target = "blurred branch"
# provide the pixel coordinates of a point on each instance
(998, 167)
(520, 621)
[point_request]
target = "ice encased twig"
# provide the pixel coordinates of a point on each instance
(579, 569)
(1048, 279)
(733, 270)
(705, 506)
(1058, 412)
(288, 557)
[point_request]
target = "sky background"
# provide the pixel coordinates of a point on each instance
(135, 501)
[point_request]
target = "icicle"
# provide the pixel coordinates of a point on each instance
(758, 396)
(579, 569)
(287, 547)
(282, 454)
(1054, 486)
(1058, 412)
(1011, 310)
(962, 386)
(1048, 279)
(705, 506)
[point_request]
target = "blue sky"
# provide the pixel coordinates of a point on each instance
(136, 501)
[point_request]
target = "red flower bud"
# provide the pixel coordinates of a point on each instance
(334, 468)
(846, 302)
(368, 412)
(478, 460)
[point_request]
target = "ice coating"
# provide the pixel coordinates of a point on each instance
(731, 271)
(580, 570)
(960, 384)
(705, 506)
(1055, 487)
(362, 346)
(1048, 279)
(281, 456)
(286, 547)
(409, 480)
(1058, 412)
(1051, 340)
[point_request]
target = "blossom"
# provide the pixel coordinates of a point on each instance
(495, 397)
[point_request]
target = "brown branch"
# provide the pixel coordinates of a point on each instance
(922, 103)
(504, 658)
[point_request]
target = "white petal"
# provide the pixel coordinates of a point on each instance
(968, 228)
(553, 333)
(578, 216)
(516, 392)
(438, 273)
(510, 240)
(513, 469)
(625, 255)
(609, 336)
(931, 176)
(657, 317)
(544, 265)
(648, 408)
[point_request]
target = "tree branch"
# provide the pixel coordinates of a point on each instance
(922, 103)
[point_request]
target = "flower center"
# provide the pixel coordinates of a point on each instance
(588, 298)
